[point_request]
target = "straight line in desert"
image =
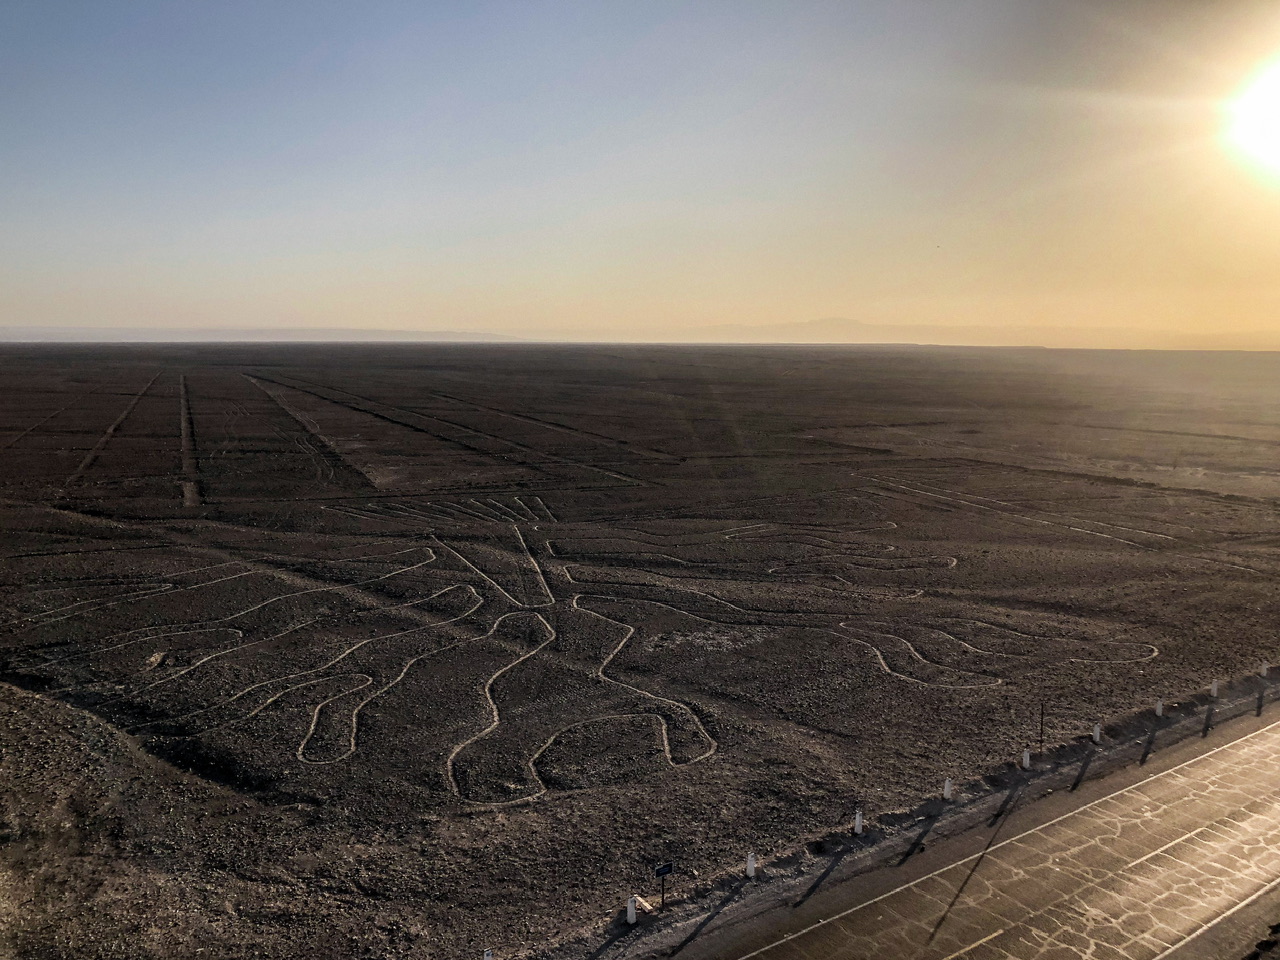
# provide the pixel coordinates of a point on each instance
(1196, 558)
(42, 421)
(417, 514)
(542, 504)
(260, 564)
(525, 507)
(488, 579)
(362, 406)
(457, 508)
(506, 511)
(576, 431)
(489, 513)
(190, 467)
(1005, 503)
(537, 454)
(534, 560)
(312, 429)
(101, 445)
(1004, 513)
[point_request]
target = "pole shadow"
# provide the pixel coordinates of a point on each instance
(999, 820)
(822, 877)
(1151, 742)
(715, 912)
(1010, 799)
(622, 930)
(918, 843)
(1084, 770)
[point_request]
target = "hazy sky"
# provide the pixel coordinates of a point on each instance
(639, 170)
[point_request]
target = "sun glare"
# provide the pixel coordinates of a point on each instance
(1255, 119)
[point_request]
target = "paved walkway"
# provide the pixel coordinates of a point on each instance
(1133, 875)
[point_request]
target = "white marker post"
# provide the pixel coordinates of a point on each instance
(1097, 733)
(631, 911)
(946, 789)
(1159, 708)
(1262, 671)
(1213, 689)
(1026, 759)
(751, 865)
(857, 822)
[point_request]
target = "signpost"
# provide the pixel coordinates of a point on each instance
(661, 871)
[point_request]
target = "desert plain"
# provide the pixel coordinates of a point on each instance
(417, 650)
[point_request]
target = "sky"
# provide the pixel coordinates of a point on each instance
(955, 171)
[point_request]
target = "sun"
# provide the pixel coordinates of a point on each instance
(1254, 119)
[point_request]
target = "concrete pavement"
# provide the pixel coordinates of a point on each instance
(1140, 871)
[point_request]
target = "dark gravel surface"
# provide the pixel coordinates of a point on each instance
(343, 652)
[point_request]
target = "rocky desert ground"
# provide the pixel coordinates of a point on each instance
(413, 651)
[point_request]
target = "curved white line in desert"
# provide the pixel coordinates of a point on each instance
(487, 690)
(276, 599)
(94, 603)
(354, 718)
(266, 703)
(1031, 638)
(532, 762)
(916, 655)
(682, 587)
(824, 629)
(662, 737)
(600, 673)
(479, 601)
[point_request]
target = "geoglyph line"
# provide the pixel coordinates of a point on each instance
(484, 576)
(534, 562)
(265, 603)
(495, 714)
(313, 429)
(1004, 503)
(404, 418)
(1003, 513)
(44, 420)
(523, 506)
(544, 508)
(190, 468)
(874, 650)
(101, 445)
(629, 448)
(332, 663)
(487, 512)
(506, 511)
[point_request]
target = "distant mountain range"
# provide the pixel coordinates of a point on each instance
(241, 335)
(844, 330)
(829, 330)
